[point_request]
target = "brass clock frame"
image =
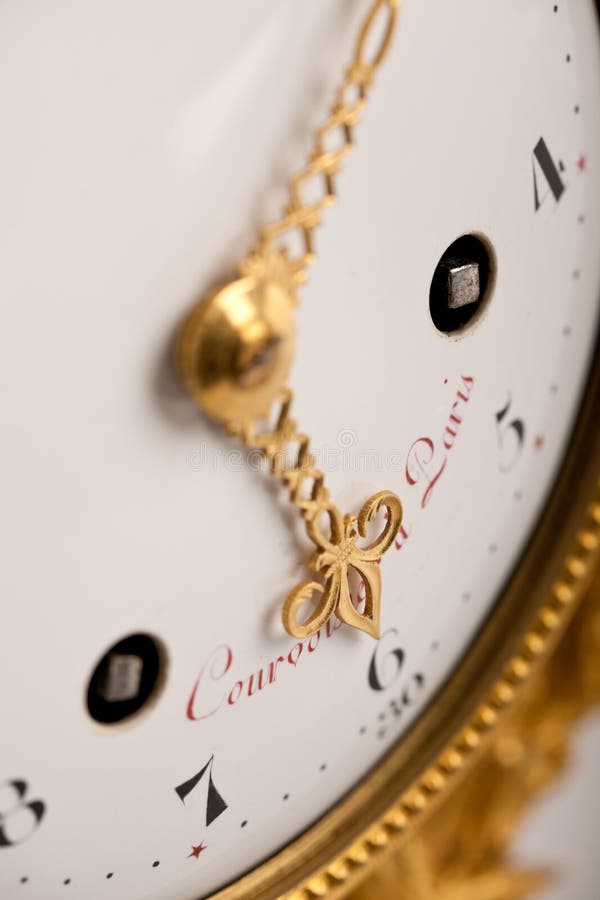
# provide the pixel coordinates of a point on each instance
(334, 855)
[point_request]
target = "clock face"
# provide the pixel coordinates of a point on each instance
(161, 733)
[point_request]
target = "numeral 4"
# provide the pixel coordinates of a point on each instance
(545, 170)
(511, 436)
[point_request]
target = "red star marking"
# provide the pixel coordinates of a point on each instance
(538, 443)
(196, 851)
(582, 163)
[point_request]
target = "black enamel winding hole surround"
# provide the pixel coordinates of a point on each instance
(126, 679)
(468, 250)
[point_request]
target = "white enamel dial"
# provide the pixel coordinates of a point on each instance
(141, 144)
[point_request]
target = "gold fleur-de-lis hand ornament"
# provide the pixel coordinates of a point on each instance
(234, 354)
(335, 557)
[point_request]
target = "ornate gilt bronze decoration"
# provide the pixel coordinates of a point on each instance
(337, 554)
(457, 854)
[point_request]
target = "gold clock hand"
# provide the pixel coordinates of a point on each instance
(333, 141)
(235, 350)
(336, 551)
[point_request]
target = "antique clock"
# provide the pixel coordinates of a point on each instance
(297, 495)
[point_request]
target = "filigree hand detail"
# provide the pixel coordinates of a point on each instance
(259, 301)
(236, 345)
(335, 556)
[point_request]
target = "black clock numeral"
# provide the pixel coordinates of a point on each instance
(544, 165)
(385, 665)
(19, 821)
(511, 437)
(215, 804)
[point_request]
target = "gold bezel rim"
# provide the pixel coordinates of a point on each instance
(337, 852)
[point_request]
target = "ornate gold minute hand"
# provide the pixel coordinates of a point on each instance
(235, 350)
